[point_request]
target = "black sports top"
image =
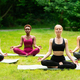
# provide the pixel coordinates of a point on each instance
(58, 47)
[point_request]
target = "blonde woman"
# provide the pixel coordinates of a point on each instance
(58, 45)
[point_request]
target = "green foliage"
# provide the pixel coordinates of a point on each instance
(0, 22)
(21, 12)
(43, 2)
(65, 11)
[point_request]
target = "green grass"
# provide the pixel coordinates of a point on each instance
(10, 71)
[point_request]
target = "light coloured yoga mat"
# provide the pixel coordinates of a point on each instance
(40, 55)
(9, 60)
(33, 67)
(9, 54)
(67, 58)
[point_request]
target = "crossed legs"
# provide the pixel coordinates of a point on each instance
(61, 65)
(23, 52)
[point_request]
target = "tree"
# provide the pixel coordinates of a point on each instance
(5, 8)
(66, 12)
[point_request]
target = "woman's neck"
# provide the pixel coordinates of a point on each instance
(58, 36)
(28, 35)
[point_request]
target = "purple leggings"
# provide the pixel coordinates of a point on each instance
(28, 51)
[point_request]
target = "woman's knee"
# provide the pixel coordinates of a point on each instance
(74, 66)
(37, 49)
(15, 49)
(76, 54)
(43, 62)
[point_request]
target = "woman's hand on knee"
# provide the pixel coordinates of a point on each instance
(76, 62)
(5, 54)
(71, 51)
(40, 59)
(12, 47)
(40, 47)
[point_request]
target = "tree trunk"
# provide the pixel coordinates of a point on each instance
(6, 12)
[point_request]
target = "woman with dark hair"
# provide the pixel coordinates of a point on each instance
(29, 41)
(58, 45)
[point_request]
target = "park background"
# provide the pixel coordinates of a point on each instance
(42, 15)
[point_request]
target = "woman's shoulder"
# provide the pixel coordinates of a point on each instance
(65, 40)
(32, 36)
(78, 37)
(51, 40)
(23, 36)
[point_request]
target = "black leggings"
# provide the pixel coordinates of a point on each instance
(77, 54)
(1, 57)
(55, 62)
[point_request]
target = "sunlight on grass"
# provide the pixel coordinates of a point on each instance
(10, 71)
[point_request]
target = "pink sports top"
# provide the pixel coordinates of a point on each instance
(28, 42)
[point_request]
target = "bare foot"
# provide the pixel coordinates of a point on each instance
(23, 55)
(60, 63)
(52, 66)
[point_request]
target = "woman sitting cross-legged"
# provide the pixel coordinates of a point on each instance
(29, 41)
(58, 44)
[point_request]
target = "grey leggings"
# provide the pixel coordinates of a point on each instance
(77, 54)
(55, 62)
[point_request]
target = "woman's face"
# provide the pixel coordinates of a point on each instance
(27, 29)
(58, 29)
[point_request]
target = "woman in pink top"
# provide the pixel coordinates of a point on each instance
(29, 41)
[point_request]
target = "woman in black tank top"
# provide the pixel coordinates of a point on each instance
(58, 44)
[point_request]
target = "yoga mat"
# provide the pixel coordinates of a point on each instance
(41, 55)
(78, 67)
(67, 58)
(9, 60)
(33, 67)
(9, 54)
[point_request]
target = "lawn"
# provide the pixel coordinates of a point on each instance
(10, 71)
